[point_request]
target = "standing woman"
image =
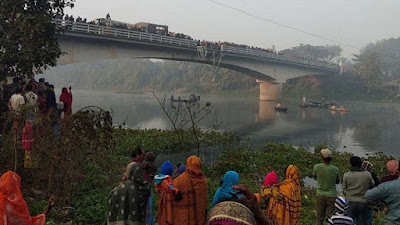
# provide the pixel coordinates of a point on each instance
(285, 199)
(192, 184)
(13, 207)
(66, 99)
(127, 202)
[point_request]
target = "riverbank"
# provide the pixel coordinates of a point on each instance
(89, 205)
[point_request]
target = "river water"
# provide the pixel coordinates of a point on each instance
(367, 128)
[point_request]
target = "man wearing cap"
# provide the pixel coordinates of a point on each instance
(355, 183)
(327, 177)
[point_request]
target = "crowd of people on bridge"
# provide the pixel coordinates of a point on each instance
(209, 45)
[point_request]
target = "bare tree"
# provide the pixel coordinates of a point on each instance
(185, 115)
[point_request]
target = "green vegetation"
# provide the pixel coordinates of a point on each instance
(88, 199)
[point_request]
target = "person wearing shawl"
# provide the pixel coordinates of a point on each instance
(13, 207)
(226, 192)
(180, 169)
(165, 190)
(66, 99)
(127, 202)
(285, 199)
(192, 184)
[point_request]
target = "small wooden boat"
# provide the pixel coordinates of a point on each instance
(280, 109)
(192, 99)
(316, 105)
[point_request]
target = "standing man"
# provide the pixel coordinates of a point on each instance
(16, 101)
(327, 177)
(355, 183)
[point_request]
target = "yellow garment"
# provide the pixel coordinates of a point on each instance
(285, 199)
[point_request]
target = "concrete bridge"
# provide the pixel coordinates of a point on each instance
(88, 42)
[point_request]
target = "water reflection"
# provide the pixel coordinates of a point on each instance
(368, 128)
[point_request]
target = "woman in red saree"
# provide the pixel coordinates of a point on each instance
(13, 208)
(192, 184)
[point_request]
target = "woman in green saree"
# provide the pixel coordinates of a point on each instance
(127, 202)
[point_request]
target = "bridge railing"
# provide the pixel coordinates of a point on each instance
(167, 40)
(124, 33)
(283, 58)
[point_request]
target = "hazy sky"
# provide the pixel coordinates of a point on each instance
(352, 22)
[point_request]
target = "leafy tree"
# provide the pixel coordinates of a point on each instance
(389, 52)
(28, 36)
(368, 66)
(327, 53)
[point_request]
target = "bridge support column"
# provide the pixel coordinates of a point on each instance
(269, 91)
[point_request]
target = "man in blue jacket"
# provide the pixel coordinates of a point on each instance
(389, 194)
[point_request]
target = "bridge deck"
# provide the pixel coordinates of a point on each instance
(93, 29)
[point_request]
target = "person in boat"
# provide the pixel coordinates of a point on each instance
(303, 102)
(323, 100)
(279, 105)
(333, 107)
(342, 108)
(172, 97)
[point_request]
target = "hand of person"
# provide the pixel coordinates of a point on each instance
(252, 204)
(178, 196)
(50, 205)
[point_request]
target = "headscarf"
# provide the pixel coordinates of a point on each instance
(129, 199)
(392, 166)
(13, 208)
(285, 203)
(270, 179)
(181, 169)
(193, 186)
(226, 191)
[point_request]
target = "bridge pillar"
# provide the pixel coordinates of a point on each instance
(269, 91)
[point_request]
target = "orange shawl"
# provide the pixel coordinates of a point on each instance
(192, 184)
(285, 202)
(164, 207)
(13, 208)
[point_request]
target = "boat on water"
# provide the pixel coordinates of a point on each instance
(280, 109)
(340, 110)
(192, 98)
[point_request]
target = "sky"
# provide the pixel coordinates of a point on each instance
(353, 23)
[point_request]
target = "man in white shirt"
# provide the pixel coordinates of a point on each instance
(16, 101)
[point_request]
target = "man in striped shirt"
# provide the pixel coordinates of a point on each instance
(340, 217)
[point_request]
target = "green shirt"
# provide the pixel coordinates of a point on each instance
(326, 175)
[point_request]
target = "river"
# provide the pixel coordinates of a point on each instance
(367, 128)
